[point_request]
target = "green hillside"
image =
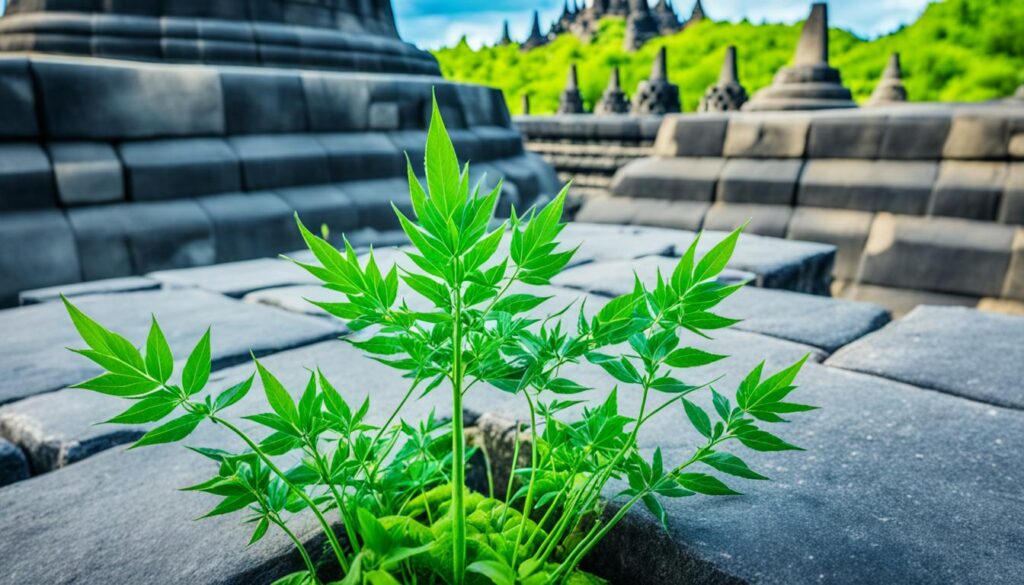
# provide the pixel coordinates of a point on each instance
(959, 50)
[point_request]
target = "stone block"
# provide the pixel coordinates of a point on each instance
(1011, 210)
(296, 299)
(602, 242)
(1014, 286)
(26, 177)
(802, 526)
(84, 289)
(845, 229)
(846, 135)
(979, 133)
(764, 220)
(373, 201)
(691, 136)
(125, 239)
(901, 301)
(237, 217)
(527, 174)
(319, 205)
(17, 102)
(336, 102)
(772, 135)
(897, 187)
(660, 213)
(263, 102)
(121, 100)
(762, 181)
(40, 363)
(172, 169)
(912, 135)
(959, 351)
(937, 254)
(13, 465)
(86, 172)
(357, 156)
(678, 179)
(968, 189)
(236, 279)
(37, 249)
(270, 161)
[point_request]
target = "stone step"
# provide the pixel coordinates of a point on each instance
(954, 350)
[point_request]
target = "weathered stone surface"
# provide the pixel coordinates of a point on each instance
(81, 289)
(323, 205)
(847, 230)
(968, 189)
(687, 215)
(187, 167)
(18, 117)
(778, 135)
(685, 179)
(979, 133)
(353, 157)
(295, 299)
(86, 172)
(692, 135)
(26, 178)
(1011, 210)
(764, 220)
(263, 102)
(13, 466)
(898, 187)
(1014, 286)
(846, 135)
(959, 351)
(763, 181)
(53, 258)
(821, 519)
(919, 253)
(236, 279)
(130, 238)
(41, 363)
(273, 160)
(235, 217)
(900, 301)
(915, 135)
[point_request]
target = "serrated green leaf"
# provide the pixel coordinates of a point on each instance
(171, 432)
(518, 303)
(698, 417)
(705, 484)
(691, 357)
(277, 397)
(442, 165)
(714, 262)
(149, 409)
(121, 385)
(159, 359)
(260, 532)
(233, 394)
(731, 464)
(758, 440)
(197, 367)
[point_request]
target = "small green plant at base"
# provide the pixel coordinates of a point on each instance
(399, 487)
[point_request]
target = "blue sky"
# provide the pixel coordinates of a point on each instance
(434, 23)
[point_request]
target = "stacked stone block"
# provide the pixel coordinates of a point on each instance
(925, 202)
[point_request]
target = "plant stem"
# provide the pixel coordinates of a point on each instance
(335, 545)
(528, 504)
(458, 507)
(346, 520)
(298, 544)
(592, 539)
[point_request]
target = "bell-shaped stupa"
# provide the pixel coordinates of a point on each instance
(571, 101)
(890, 88)
(614, 100)
(656, 95)
(728, 94)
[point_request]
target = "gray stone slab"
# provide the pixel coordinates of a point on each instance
(764, 220)
(901, 301)
(888, 491)
(911, 135)
(678, 179)
(236, 279)
(263, 101)
(894, 186)
(921, 253)
(1014, 286)
(958, 351)
(82, 289)
(979, 133)
(295, 299)
(29, 261)
(41, 363)
(187, 167)
(26, 178)
(599, 242)
(968, 189)
(86, 172)
(770, 135)
(236, 217)
(373, 201)
(18, 114)
(319, 205)
(270, 161)
(13, 465)
(762, 181)
(131, 238)
(690, 136)
(1011, 210)
(847, 230)
(357, 156)
(122, 100)
(852, 134)
(336, 102)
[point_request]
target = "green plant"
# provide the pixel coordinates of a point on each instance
(399, 488)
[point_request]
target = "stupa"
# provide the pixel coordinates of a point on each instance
(536, 38)
(641, 25)
(810, 84)
(890, 88)
(571, 101)
(656, 95)
(668, 20)
(728, 94)
(506, 36)
(159, 134)
(614, 100)
(697, 15)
